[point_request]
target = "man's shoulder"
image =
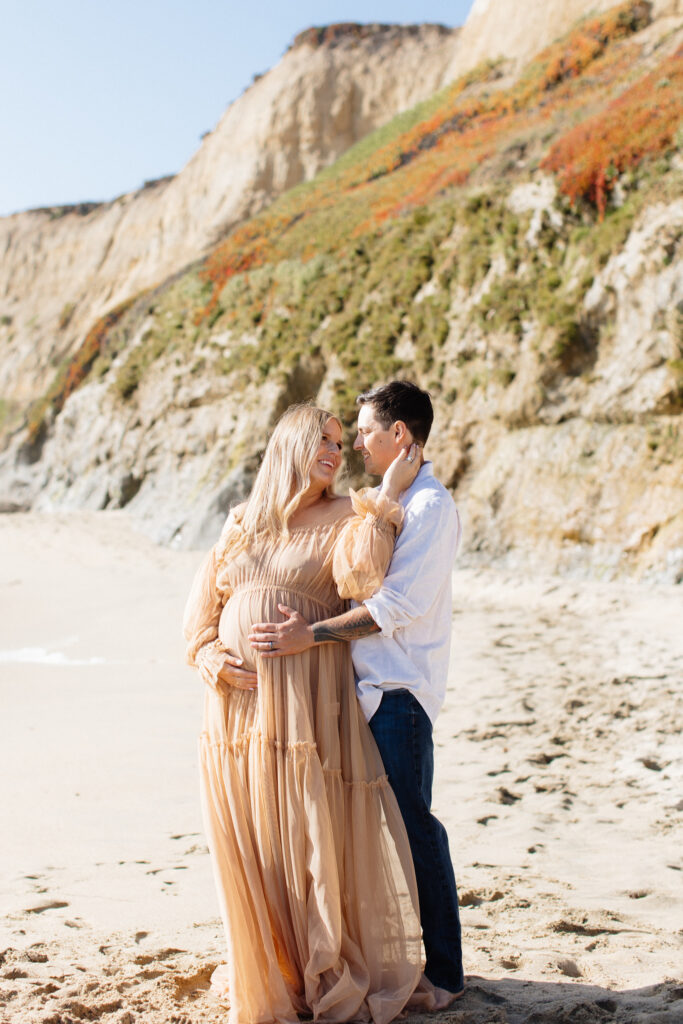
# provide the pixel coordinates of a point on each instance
(430, 514)
(430, 495)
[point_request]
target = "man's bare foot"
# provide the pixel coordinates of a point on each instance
(443, 998)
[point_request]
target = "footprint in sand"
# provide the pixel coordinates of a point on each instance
(190, 985)
(36, 958)
(474, 898)
(511, 963)
(163, 954)
(583, 928)
(49, 905)
(84, 1012)
(569, 968)
(197, 848)
(506, 797)
(46, 990)
(470, 899)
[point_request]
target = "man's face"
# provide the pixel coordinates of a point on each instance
(378, 446)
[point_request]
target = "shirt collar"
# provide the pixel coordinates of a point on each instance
(425, 471)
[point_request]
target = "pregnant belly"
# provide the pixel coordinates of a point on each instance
(249, 605)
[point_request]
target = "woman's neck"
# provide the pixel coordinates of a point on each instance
(310, 498)
(307, 511)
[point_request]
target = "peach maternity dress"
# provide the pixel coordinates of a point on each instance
(310, 856)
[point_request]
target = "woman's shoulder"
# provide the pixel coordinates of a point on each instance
(340, 507)
(231, 528)
(329, 514)
(234, 517)
(334, 509)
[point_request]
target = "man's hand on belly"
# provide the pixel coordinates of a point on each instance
(273, 639)
(294, 635)
(233, 676)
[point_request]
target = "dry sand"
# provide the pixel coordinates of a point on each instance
(558, 776)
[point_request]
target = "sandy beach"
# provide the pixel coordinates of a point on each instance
(559, 777)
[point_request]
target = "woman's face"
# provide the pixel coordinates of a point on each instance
(328, 458)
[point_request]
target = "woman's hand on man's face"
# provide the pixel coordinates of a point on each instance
(402, 471)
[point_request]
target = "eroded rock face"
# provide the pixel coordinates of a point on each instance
(62, 269)
(498, 29)
(581, 473)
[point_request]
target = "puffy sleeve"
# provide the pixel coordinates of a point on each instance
(202, 614)
(365, 544)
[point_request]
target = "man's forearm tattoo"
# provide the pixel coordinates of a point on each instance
(351, 625)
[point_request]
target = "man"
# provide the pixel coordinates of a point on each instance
(400, 646)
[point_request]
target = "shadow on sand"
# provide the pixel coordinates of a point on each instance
(515, 1001)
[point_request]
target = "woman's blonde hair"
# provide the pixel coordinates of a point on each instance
(284, 474)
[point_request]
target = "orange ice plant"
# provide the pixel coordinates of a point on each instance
(439, 152)
(641, 122)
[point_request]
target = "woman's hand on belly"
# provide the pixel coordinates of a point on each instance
(234, 676)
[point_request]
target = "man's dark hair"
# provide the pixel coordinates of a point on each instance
(401, 400)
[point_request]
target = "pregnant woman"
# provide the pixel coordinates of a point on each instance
(310, 855)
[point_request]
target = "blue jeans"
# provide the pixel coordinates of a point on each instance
(403, 733)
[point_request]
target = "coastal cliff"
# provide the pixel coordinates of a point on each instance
(513, 243)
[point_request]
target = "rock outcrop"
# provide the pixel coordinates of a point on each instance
(582, 471)
(514, 32)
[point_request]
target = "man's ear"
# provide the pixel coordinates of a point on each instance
(402, 435)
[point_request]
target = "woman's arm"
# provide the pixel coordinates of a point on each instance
(365, 545)
(217, 667)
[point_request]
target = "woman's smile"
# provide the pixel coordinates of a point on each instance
(329, 455)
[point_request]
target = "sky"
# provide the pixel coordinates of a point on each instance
(98, 96)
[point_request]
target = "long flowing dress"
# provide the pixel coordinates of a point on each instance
(311, 859)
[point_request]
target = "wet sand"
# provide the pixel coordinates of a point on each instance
(559, 777)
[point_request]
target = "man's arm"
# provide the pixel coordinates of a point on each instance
(295, 634)
(351, 625)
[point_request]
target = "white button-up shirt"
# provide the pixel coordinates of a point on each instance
(413, 606)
